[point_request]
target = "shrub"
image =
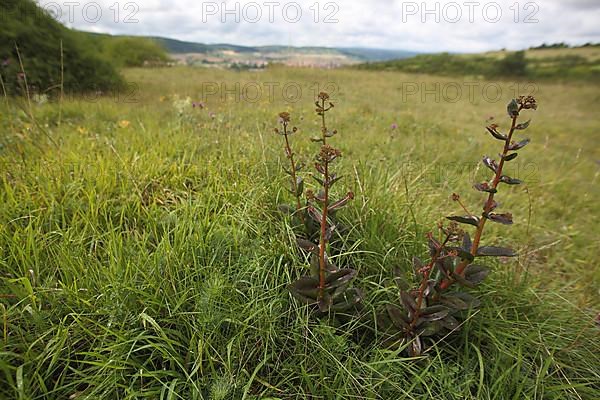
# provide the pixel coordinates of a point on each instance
(39, 37)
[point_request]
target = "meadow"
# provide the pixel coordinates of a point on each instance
(142, 254)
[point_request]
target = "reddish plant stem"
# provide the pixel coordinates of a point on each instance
(425, 280)
(488, 205)
(323, 125)
(323, 241)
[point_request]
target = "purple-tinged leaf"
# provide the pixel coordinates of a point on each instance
(307, 245)
(342, 202)
(493, 206)
(333, 179)
(306, 286)
(434, 313)
(415, 348)
(315, 214)
(491, 164)
(469, 299)
(484, 187)
(461, 280)
(329, 232)
(434, 245)
(408, 301)
(430, 328)
(398, 316)
(510, 157)
(518, 146)
(523, 126)
(494, 132)
(510, 181)
(339, 278)
(455, 303)
(450, 323)
(469, 219)
(506, 219)
(319, 180)
(462, 253)
(467, 243)
(350, 298)
(316, 139)
(325, 303)
(492, 251)
(399, 279)
(319, 167)
(476, 273)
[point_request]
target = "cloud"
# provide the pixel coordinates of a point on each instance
(421, 25)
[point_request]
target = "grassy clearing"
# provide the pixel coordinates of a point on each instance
(142, 257)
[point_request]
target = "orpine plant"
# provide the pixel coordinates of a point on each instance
(431, 310)
(297, 182)
(328, 287)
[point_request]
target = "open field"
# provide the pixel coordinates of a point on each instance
(142, 255)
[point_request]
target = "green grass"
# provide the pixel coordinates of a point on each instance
(147, 261)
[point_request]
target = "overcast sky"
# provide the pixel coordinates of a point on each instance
(425, 26)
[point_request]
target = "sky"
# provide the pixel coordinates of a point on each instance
(422, 26)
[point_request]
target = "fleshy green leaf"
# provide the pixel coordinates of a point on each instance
(299, 186)
(319, 180)
(513, 109)
(491, 251)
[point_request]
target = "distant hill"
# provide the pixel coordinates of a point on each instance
(545, 62)
(228, 54)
